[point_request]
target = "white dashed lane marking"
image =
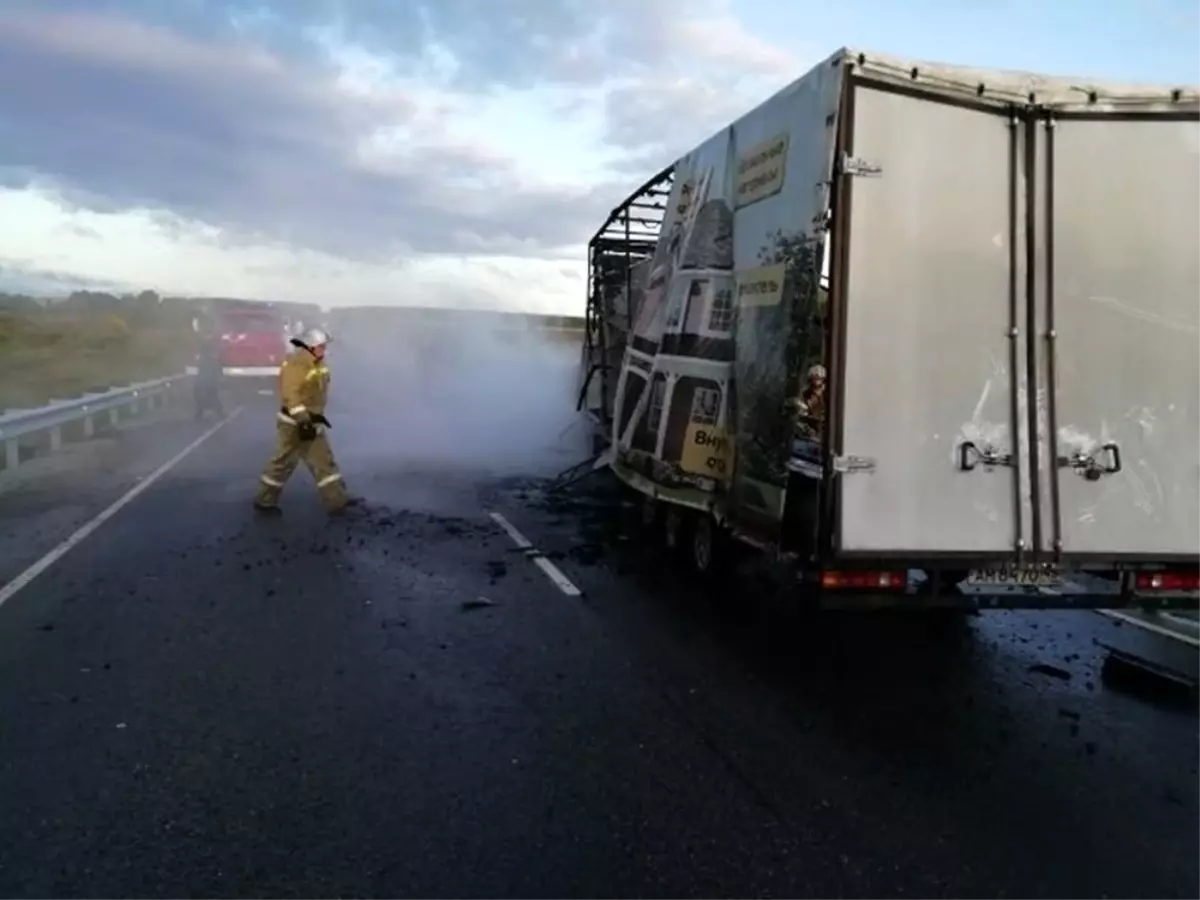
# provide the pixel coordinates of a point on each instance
(9, 590)
(561, 581)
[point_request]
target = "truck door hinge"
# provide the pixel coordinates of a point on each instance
(859, 167)
(850, 464)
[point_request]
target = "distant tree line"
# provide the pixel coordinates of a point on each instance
(151, 309)
(148, 308)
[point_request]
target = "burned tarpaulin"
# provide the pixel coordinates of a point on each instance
(729, 318)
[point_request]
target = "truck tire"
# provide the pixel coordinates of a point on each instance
(709, 546)
(675, 528)
(649, 512)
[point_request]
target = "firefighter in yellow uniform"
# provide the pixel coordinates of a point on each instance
(301, 428)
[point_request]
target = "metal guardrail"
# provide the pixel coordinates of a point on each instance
(18, 424)
(1180, 625)
(1161, 643)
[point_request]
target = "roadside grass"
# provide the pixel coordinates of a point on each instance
(50, 355)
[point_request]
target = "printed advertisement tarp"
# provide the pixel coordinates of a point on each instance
(714, 390)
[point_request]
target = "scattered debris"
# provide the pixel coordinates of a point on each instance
(478, 603)
(1174, 796)
(587, 554)
(1051, 671)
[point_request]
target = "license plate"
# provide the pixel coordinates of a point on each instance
(1016, 576)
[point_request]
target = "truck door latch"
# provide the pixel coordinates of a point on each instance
(1089, 465)
(970, 456)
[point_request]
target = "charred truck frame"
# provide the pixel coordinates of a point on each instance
(929, 333)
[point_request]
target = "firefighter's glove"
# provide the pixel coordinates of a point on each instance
(307, 430)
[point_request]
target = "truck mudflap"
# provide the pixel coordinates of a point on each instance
(1015, 342)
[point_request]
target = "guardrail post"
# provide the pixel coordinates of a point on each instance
(12, 453)
(113, 418)
(55, 439)
(89, 427)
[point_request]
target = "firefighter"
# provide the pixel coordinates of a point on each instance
(207, 386)
(809, 407)
(301, 428)
(814, 393)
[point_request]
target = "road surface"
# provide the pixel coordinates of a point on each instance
(194, 702)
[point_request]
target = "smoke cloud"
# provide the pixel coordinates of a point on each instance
(468, 396)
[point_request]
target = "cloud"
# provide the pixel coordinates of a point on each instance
(136, 116)
(25, 280)
(676, 113)
(361, 136)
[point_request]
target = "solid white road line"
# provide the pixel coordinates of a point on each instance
(8, 591)
(561, 581)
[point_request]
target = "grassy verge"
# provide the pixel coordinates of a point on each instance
(52, 356)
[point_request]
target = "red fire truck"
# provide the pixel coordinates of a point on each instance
(251, 341)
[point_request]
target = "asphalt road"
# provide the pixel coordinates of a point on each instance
(194, 702)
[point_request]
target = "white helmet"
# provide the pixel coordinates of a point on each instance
(311, 337)
(816, 371)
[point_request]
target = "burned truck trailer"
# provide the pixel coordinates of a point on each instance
(618, 257)
(928, 332)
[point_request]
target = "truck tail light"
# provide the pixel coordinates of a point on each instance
(1168, 580)
(864, 579)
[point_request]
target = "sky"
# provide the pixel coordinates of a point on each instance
(440, 153)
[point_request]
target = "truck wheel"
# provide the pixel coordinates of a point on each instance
(674, 528)
(709, 550)
(648, 512)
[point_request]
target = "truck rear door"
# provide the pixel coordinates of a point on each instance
(1120, 312)
(926, 358)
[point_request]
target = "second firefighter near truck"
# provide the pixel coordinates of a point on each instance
(301, 430)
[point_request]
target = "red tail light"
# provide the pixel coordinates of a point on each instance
(860, 579)
(1188, 580)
